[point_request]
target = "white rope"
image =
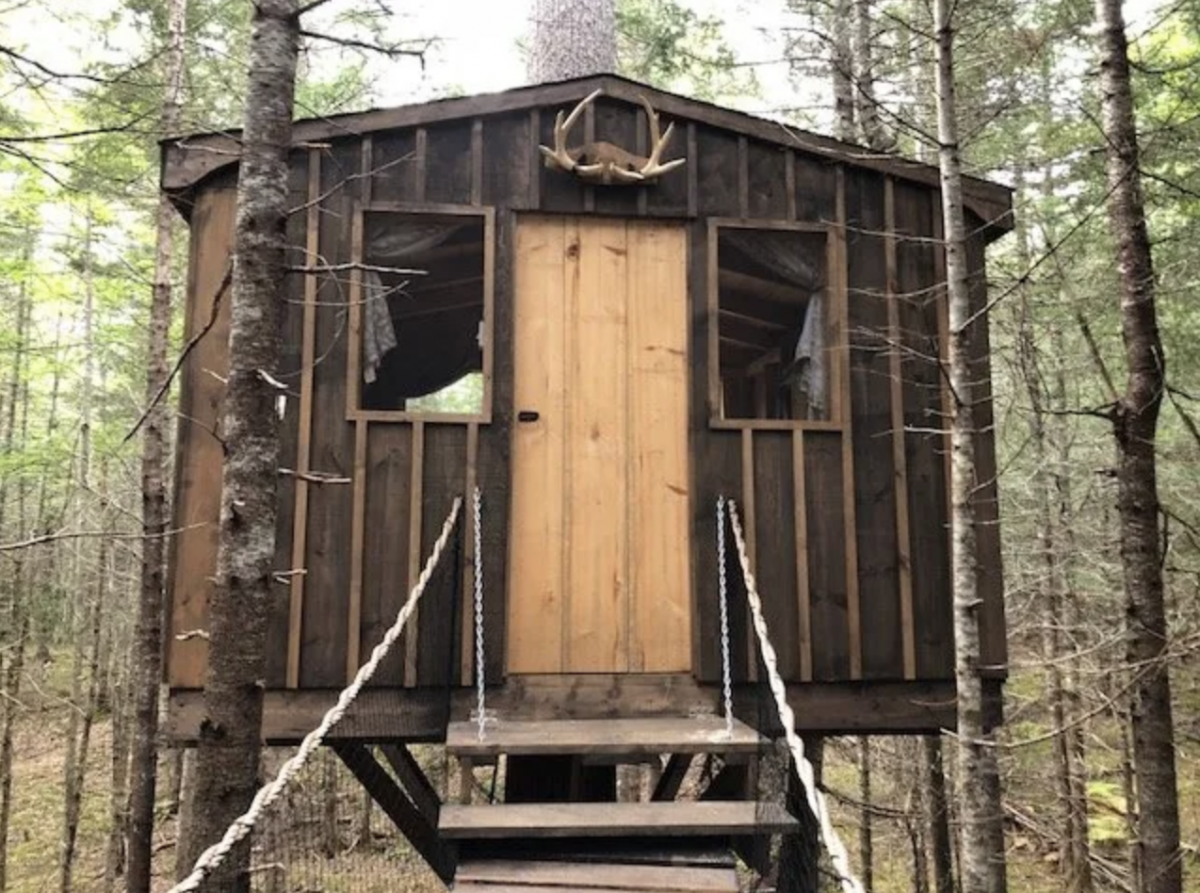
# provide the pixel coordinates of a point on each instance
(808, 779)
(216, 854)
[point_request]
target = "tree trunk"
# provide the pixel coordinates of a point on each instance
(939, 816)
(1135, 422)
(982, 864)
(227, 756)
(12, 588)
(572, 38)
(842, 69)
(865, 842)
(146, 666)
(875, 133)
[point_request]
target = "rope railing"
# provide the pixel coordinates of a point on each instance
(808, 779)
(213, 857)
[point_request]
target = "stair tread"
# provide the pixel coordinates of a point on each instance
(667, 819)
(523, 874)
(644, 735)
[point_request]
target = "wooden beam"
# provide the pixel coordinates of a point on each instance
(308, 340)
(800, 520)
(412, 824)
(853, 613)
(763, 288)
(416, 783)
(415, 507)
(358, 523)
(672, 777)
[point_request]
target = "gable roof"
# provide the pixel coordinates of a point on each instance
(188, 160)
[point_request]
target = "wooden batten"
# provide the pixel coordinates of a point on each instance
(477, 162)
(789, 179)
(743, 176)
(693, 175)
(943, 311)
(416, 486)
(357, 545)
(800, 520)
(466, 667)
(899, 462)
(420, 164)
(853, 614)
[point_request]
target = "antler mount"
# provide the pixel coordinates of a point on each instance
(605, 163)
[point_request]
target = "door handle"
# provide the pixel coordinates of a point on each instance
(527, 415)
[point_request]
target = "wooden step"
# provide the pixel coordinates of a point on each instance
(648, 735)
(661, 819)
(525, 876)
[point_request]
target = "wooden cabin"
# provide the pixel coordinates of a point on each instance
(603, 360)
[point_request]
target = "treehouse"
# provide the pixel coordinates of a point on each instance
(604, 307)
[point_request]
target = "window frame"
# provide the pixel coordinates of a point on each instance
(354, 408)
(835, 287)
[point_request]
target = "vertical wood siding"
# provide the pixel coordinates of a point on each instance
(874, 604)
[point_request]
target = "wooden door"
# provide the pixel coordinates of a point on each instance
(600, 516)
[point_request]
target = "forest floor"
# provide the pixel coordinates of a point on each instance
(329, 852)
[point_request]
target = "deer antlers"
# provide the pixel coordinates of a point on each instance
(603, 162)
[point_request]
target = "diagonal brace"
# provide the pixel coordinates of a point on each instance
(419, 830)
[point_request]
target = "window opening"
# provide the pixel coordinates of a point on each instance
(772, 325)
(423, 314)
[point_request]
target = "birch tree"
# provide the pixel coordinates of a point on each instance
(146, 667)
(981, 865)
(1135, 422)
(227, 757)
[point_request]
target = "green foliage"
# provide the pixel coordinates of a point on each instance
(669, 45)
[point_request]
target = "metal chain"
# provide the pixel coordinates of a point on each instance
(216, 854)
(723, 590)
(480, 668)
(816, 798)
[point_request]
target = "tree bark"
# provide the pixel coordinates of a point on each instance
(1135, 423)
(865, 841)
(842, 69)
(227, 756)
(939, 816)
(982, 863)
(875, 133)
(572, 38)
(147, 669)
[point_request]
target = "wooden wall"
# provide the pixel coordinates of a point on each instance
(848, 522)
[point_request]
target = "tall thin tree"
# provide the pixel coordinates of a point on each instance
(146, 667)
(1135, 424)
(982, 862)
(227, 757)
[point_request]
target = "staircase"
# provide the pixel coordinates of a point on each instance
(560, 830)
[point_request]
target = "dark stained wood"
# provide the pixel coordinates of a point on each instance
(921, 378)
(416, 783)
(438, 639)
(871, 411)
(394, 161)
(776, 534)
(330, 508)
(560, 192)
(416, 525)
(420, 171)
(827, 555)
(672, 777)
(666, 819)
(507, 167)
(416, 828)
(767, 181)
(493, 462)
(385, 554)
(560, 876)
(617, 123)
(188, 162)
(815, 188)
(992, 641)
(448, 168)
(717, 174)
